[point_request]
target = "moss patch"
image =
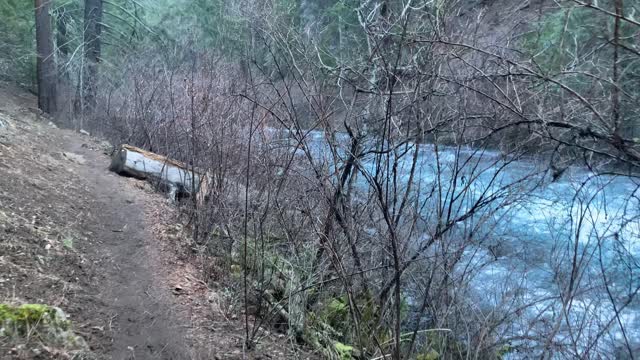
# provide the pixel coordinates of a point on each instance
(345, 352)
(429, 355)
(39, 322)
(23, 318)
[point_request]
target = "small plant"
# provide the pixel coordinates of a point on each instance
(67, 242)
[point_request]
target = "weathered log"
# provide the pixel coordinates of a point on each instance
(172, 174)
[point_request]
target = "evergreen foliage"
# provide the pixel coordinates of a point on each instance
(17, 42)
(577, 46)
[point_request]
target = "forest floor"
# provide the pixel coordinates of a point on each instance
(107, 250)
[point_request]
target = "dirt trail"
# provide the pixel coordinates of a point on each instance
(76, 236)
(144, 321)
(109, 251)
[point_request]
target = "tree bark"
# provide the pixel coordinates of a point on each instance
(45, 66)
(92, 33)
(174, 177)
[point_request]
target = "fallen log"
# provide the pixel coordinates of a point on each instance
(176, 177)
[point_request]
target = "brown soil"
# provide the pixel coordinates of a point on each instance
(106, 249)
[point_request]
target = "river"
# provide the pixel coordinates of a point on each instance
(537, 239)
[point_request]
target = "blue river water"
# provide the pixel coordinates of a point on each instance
(536, 239)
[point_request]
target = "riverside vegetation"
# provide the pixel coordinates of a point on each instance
(388, 179)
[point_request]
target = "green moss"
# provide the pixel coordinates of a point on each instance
(23, 317)
(504, 350)
(336, 313)
(344, 351)
(22, 320)
(429, 355)
(438, 342)
(236, 269)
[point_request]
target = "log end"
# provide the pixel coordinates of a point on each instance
(118, 160)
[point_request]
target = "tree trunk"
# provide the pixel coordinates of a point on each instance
(92, 32)
(46, 67)
(173, 176)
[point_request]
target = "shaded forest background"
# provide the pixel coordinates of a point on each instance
(319, 121)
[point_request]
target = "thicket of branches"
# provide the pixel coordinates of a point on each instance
(369, 161)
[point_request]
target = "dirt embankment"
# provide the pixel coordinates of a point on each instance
(105, 249)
